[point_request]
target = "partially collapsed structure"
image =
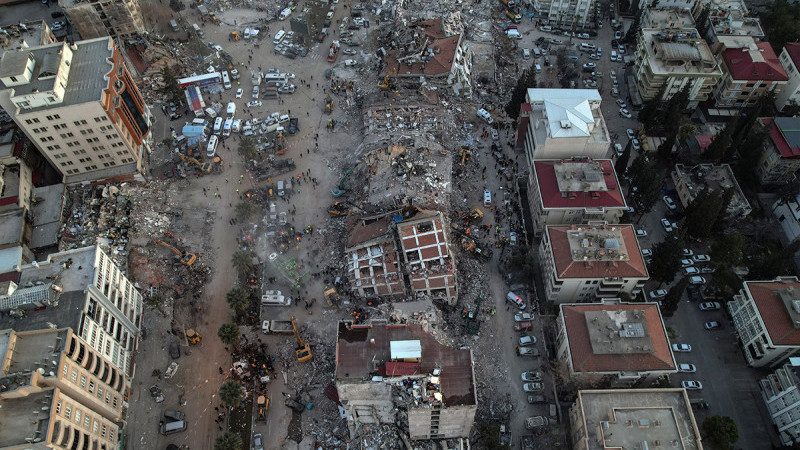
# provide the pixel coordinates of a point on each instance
(387, 374)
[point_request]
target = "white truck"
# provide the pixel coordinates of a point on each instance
(277, 326)
(275, 298)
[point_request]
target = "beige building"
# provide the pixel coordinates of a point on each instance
(79, 398)
(749, 73)
(373, 261)
(676, 57)
(79, 105)
(766, 315)
(429, 262)
(780, 156)
(582, 263)
(627, 341)
(564, 123)
(573, 191)
(381, 368)
(81, 289)
(691, 181)
(98, 18)
(565, 13)
(633, 419)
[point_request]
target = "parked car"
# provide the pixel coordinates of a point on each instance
(589, 66)
(523, 326)
(712, 325)
(688, 252)
(515, 299)
(258, 442)
(239, 93)
(696, 385)
(693, 292)
(687, 368)
(531, 376)
(669, 202)
(536, 399)
(690, 270)
(533, 387)
(682, 348)
(636, 144)
(647, 252)
(631, 134)
(523, 317)
(620, 102)
(707, 269)
(528, 351)
(697, 280)
(254, 103)
(625, 113)
(701, 258)
(350, 62)
(667, 225)
(349, 51)
(686, 263)
(658, 293)
(525, 341)
(709, 306)
(495, 135)
(641, 233)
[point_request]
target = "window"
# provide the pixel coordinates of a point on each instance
(74, 375)
(66, 370)
(103, 431)
(58, 407)
(91, 386)
(69, 144)
(86, 421)
(95, 427)
(70, 135)
(68, 411)
(78, 416)
(83, 381)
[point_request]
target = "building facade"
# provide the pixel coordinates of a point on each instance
(565, 13)
(781, 392)
(766, 315)
(583, 263)
(749, 73)
(80, 106)
(574, 191)
(691, 181)
(98, 18)
(427, 256)
(373, 261)
(780, 156)
(790, 60)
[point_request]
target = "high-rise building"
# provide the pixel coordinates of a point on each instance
(79, 105)
(97, 18)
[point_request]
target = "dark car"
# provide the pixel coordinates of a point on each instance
(694, 294)
(174, 350)
(533, 398)
(56, 14)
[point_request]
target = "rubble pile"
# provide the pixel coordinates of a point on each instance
(407, 119)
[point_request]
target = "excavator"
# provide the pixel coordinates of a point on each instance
(234, 36)
(280, 144)
(388, 83)
(303, 349)
(187, 258)
(205, 167)
(193, 336)
(339, 190)
(337, 209)
(328, 103)
(472, 324)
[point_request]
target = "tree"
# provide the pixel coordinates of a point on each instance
(664, 150)
(685, 131)
(647, 180)
(782, 20)
(177, 5)
(242, 261)
(489, 436)
(719, 432)
(729, 249)
(244, 210)
(526, 81)
(228, 441)
(170, 89)
(230, 394)
(247, 147)
(622, 162)
(238, 299)
(666, 260)
(702, 213)
(673, 297)
(652, 113)
(633, 32)
(228, 333)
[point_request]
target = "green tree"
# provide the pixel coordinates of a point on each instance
(647, 180)
(728, 249)
(764, 262)
(666, 260)
(685, 131)
(673, 297)
(155, 300)
(244, 210)
(247, 147)
(177, 5)
(526, 80)
(664, 150)
(170, 88)
(238, 299)
(228, 333)
(782, 20)
(719, 432)
(703, 213)
(242, 261)
(652, 113)
(622, 162)
(230, 394)
(228, 441)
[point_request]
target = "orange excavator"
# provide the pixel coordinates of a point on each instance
(187, 258)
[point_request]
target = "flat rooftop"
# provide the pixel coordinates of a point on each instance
(47, 215)
(733, 19)
(364, 351)
(565, 114)
(19, 420)
(11, 227)
(617, 337)
(668, 18)
(73, 270)
(625, 418)
(714, 177)
(596, 251)
(679, 52)
(578, 183)
(32, 348)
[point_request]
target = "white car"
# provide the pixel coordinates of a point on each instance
(237, 125)
(631, 134)
(687, 368)
(350, 62)
(667, 225)
(686, 263)
(669, 202)
(658, 293)
(613, 77)
(625, 113)
(239, 93)
(495, 135)
(692, 385)
(641, 233)
(349, 51)
(254, 103)
(290, 76)
(647, 252)
(681, 348)
(690, 270)
(688, 252)
(217, 48)
(523, 317)
(709, 306)
(620, 102)
(525, 341)
(697, 280)
(483, 114)
(636, 144)
(701, 258)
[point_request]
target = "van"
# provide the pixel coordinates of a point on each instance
(211, 150)
(276, 77)
(279, 37)
(231, 111)
(226, 128)
(198, 122)
(211, 113)
(526, 54)
(515, 300)
(218, 125)
(487, 198)
(614, 55)
(226, 80)
(198, 31)
(537, 53)
(538, 68)
(587, 47)
(172, 427)
(283, 119)
(281, 191)
(173, 25)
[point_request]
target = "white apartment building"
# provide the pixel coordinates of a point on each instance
(782, 396)
(790, 60)
(766, 315)
(584, 263)
(79, 105)
(563, 13)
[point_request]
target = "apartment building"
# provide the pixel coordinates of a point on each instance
(790, 60)
(780, 156)
(633, 418)
(98, 18)
(749, 73)
(574, 191)
(381, 368)
(781, 393)
(427, 256)
(668, 18)
(766, 315)
(79, 105)
(373, 261)
(584, 263)
(673, 58)
(626, 341)
(565, 13)
(563, 123)
(79, 397)
(80, 289)
(731, 18)
(691, 181)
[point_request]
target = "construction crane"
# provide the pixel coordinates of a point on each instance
(303, 349)
(387, 83)
(187, 258)
(328, 103)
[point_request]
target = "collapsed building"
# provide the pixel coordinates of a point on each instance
(387, 373)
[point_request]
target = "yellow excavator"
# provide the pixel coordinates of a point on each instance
(187, 258)
(388, 83)
(303, 349)
(205, 167)
(328, 103)
(193, 337)
(234, 36)
(280, 144)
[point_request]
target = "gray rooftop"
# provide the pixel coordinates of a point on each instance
(618, 332)
(20, 423)
(13, 63)
(790, 129)
(65, 314)
(86, 73)
(73, 270)
(11, 226)
(47, 215)
(626, 418)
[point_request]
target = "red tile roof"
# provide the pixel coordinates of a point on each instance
(551, 196)
(742, 67)
(438, 64)
(773, 312)
(566, 267)
(793, 49)
(580, 346)
(787, 151)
